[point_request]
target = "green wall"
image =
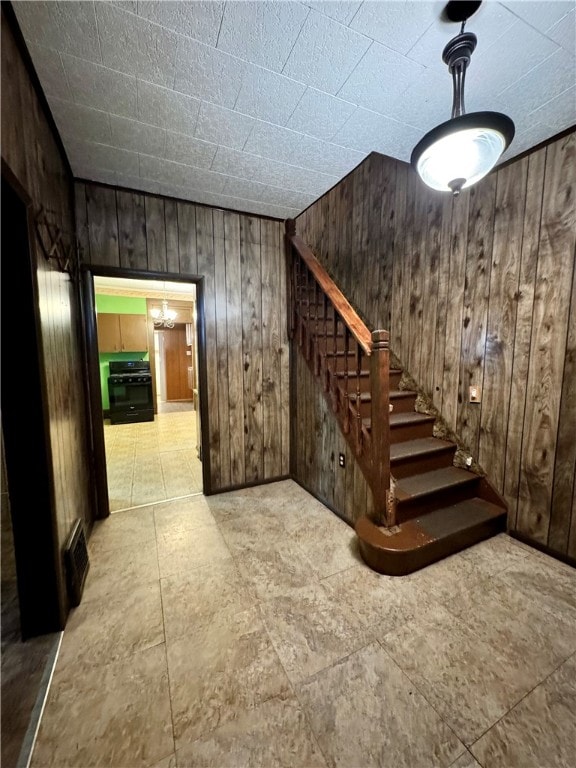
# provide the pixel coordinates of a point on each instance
(125, 305)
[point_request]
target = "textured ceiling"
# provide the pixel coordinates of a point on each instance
(263, 106)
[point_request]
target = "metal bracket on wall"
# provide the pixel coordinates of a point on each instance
(50, 238)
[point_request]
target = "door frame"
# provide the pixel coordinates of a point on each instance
(96, 416)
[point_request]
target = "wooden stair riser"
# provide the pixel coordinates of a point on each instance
(400, 433)
(443, 497)
(351, 381)
(411, 465)
(394, 379)
(404, 403)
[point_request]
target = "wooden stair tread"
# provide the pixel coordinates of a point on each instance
(416, 486)
(430, 537)
(398, 394)
(409, 418)
(420, 446)
(395, 394)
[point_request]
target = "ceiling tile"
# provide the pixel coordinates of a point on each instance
(380, 78)
(533, 135)
(489, 23)
(287, 146)
(200, 20)
(498, 66)
(81, 122)
(102, 156)
(166, 172)
(427, 102)
(246, 166)
(48, 66)
(223, 126)
(137, 136)
(253, 190)
(564, 33)
(267, 95)
(167, 108)
(189, 151)
(552, 77)
(559, 112)
(339, 11)
(540, 15)
(397, 25)
(262, 33)
(96, 86)
(319, 114)
(325, 53)
(371, 132)
(135, 46)
(69, 27)
(208, 74)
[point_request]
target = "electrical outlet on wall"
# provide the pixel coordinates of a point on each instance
(341, 460)
(475, 393)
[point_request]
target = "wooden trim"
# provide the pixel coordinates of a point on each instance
(544, 548)
(10, 16)
(535, 148)
(157, 196)
(96, 414)
(340, 302)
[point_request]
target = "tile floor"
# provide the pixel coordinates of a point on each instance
(243, 630)
(150, 461)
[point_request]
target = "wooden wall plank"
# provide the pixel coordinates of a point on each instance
(205, 252)
(271, 346)
(131, 230)
(81, 223)
(523, 331)
(171, 224)
(398, 272)
(284, 353)
(155, 234)
(187, 238)
(102, 226)
(235, 357)
(565, 465)
(501, 323)
(222, 344)
(549, 333)
(252, 346)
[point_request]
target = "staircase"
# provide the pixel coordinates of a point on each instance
(425, 508)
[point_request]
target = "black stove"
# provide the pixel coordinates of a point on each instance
(130, 391)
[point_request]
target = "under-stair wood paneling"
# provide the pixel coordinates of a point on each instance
(242, 261)
(32, 154)
(319, 442)
(478, 290)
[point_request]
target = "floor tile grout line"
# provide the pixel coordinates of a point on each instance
(29, 741)
(426, 699)
(521, 699)
(164, 633)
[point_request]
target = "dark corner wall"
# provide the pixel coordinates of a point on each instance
(242, 261)
(32, 155)
(479, 289)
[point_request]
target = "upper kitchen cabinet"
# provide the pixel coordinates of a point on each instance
(122, 333)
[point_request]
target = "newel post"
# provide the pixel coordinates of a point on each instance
(380, 385)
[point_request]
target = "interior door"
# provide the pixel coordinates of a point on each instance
(176, 362)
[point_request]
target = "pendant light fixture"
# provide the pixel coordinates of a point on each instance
(461, 151)
(163, 317)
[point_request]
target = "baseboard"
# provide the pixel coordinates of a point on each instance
(543, 548)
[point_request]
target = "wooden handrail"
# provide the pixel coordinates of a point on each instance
(346, 311)
(350, 362)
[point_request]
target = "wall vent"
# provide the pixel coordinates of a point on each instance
(77, 563)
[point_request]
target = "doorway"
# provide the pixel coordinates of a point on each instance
(148, 461)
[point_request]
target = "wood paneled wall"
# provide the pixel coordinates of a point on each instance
(242, 261)
(481, 290)
(33, 156)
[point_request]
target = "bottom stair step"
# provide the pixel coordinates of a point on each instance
(428, 538)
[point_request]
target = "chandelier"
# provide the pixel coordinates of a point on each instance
(461, 151)
(163, 317)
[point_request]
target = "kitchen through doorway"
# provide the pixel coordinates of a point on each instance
(150, 393)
